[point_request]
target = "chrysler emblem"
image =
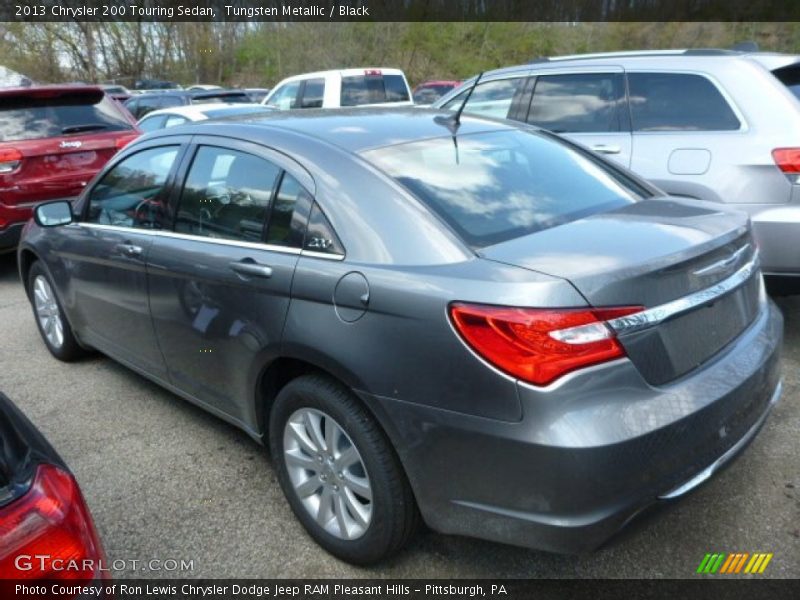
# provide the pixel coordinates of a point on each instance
(723, 264)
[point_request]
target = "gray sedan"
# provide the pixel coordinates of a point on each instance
(463, 320)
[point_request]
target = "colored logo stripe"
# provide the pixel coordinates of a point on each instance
(734, 563)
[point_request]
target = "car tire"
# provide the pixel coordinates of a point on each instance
(352, 496)
(49, 316)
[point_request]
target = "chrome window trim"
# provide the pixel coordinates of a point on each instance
(221, 241)
(658, 314)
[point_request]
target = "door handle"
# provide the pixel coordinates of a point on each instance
(250, 268)
(606, 149)
(130, 250)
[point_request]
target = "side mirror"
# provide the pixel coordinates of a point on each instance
(53, 214)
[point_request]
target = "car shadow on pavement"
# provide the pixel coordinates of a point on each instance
(8, 267)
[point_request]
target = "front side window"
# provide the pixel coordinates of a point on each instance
(489, 99)
(130, 194)
(493, 187)
(285, 97)
(578, 103)
(226, 195)
(313, 93)
(678, 102)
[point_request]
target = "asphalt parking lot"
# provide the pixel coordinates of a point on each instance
(166, 480)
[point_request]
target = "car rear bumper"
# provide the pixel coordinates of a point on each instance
(591, 452)
(776, 230)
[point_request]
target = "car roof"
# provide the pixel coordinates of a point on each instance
(770, 60)
(354, 130)
(345, 73)
(44, 91)
(197, 111)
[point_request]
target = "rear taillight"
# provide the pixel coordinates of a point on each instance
(10, 160)
(788, 161)
(540, 345)
(121, 142)
(48, 533)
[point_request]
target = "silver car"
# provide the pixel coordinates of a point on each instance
(474, 322)
(715, 125)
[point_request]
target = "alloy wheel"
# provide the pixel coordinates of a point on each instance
(327, 473)
(47, 311)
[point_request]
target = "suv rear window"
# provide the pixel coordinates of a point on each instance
(373, 89)
(31, 117)
(678, 102)
(497, 186)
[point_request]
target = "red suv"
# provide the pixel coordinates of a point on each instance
(53, 140)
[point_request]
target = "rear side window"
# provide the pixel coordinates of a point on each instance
(790, 77)
(130, 194)
(578, 103)
(497, 186)
(32, 118)
(226, 195)
(320, 236)
(313, 93)
(287, 219)
(678, 102)
(489, 99)
(373, 88)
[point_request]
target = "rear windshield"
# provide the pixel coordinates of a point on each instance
(493, 187)
(790, 77)
(224, 98)
(26, 118)
(373, 89)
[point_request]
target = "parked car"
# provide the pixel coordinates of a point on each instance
(53, 139)
(430, 91)
(170, 117)
(46, 529)
(118, 92)
(718, 125)
(155, 84)
(142, 104)
(202, 87)
(477, 321)
(343, 88)
(257, 94)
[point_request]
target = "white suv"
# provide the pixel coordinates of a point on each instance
(341, 88)
(716, 125)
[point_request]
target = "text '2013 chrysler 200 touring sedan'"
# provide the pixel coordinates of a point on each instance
(471, 321)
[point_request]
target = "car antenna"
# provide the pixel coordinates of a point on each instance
(454, 121)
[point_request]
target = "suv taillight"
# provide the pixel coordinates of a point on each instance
(123, 141)
(540, 345)
(48, 533)
(10, 159)
(788, 161)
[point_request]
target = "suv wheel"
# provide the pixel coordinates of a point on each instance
(50, 319)
(339, 472)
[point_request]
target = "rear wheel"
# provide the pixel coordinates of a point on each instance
(339, 473)
(50, 319)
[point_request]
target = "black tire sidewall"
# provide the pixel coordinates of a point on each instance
(317, 393)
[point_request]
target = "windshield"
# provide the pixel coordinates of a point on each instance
(492, 187)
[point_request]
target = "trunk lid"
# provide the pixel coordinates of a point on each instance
(648, 254)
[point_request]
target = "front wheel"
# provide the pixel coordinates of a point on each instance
(53, 325)
(339, 473)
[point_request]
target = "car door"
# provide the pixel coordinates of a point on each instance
(106, 252)
(220, 283)
(681, 122)
(588, 107)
